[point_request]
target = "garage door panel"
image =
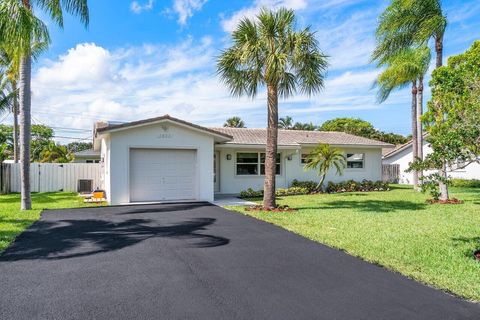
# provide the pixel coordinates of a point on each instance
(162, 174)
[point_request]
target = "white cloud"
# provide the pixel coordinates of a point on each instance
(138, 8)
(186, 8)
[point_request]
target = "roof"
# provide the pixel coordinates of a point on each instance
(247, 136)
(87, 153)
(115, 127)
(400, 148)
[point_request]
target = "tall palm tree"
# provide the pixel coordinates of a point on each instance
(234, 122)
(268, 51)
(285, 123)
(20, 27)
(407, 23)
(406, 67)
(304, 126)
(323, 158)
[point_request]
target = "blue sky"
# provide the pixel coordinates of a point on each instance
(145, 58)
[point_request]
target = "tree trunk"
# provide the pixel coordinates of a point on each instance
(25, 129)
(419, 125)
(16, 149)
(414, 132)
(271, 148)
(439, 50)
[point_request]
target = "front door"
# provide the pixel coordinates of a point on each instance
(216, 171)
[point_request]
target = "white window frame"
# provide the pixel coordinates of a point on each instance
(353, 153)
(259, 164)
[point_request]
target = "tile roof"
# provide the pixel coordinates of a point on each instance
(87, 153)
(297, 137)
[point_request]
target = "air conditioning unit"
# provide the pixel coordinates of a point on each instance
(85, 186)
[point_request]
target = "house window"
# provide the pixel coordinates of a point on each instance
(355, 160)
(304, 158)
(92, 161)
(253, 163)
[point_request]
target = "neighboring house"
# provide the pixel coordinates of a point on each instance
(403, 156)
(167, 159)
(87, 156)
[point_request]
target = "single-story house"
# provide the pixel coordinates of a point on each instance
(87, 156)
(403, 156)
(168, 159)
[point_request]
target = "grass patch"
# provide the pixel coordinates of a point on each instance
(433, 244)
(13, 221)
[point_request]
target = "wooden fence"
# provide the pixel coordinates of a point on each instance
(50, 177)
(391, 173)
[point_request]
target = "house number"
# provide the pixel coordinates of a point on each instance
(165, 136)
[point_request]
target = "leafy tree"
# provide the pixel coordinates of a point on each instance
(56, 153)
(79, 146)
(453, 119)
(323, 158)
(41, 137)
(304, 126)
(268, 51)
(234, 122)
(285, 123)
(19, 30)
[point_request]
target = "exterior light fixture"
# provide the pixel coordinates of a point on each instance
(229, 157)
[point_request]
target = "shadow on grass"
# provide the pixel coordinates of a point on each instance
(47, 197)
(473, 244)
(374, 206)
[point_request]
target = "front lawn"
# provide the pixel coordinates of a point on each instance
(13, 221)
(433, 244)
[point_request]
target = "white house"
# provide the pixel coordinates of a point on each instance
(168, 159)
(403, 155)
(87, 156)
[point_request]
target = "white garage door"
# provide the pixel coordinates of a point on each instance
(162, 174)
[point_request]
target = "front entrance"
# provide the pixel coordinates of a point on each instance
(216, 171)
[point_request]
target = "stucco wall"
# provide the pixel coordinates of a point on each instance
(154, 136)
(230, 183)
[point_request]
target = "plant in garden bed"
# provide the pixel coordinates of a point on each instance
(353, 186)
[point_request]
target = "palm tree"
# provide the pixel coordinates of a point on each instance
(304, 126)
(20, 28)
(407, 23)
(285, 123)
(324, 157)
(406, 67)
(267, 51)
(234, 122)
(56, 153)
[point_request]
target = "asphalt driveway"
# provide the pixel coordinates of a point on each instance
(197, 261)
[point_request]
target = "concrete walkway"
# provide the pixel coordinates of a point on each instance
(231, 200)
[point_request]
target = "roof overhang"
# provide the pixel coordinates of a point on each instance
(254, 146)
(364, 146)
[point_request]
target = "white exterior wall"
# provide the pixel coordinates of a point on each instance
(404, 157)
(117, 163)
(230, 183)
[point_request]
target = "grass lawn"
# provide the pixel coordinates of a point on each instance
(13, 221)
(433, 244)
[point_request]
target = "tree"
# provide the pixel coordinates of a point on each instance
(406, 67)
(323, 158)
(304, 126)
(79, 146)
(19, 29)
(268, 51)
(453, 119)
(42, 136)
(410, 24)
(234, 122)
(55, 153)
(285, 123)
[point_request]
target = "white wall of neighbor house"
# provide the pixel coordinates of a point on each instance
(86, 160)
(405, 157)
(232, 183)
(105, 163)
(155, 136)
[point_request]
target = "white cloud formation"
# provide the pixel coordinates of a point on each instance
(138, 8)
(186, 8)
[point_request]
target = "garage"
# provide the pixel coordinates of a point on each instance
(162, 175)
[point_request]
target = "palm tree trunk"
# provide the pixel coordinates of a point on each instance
(320, 183)
(16, 149)
(25, 129)
(439, 50)
(414, 132)
(419, 125)
(271, 148)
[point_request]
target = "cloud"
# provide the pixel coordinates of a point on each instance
(138, 8)
(186, 8)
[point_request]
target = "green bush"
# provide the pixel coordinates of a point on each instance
(250, 193)
(291, 191)
(464, 183)
(352, 186)
(311, 186)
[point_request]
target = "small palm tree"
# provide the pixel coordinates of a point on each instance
(55, 153)
(285, 123)
(305, 126)
(323, 158)
(267, 51)
(234, 122)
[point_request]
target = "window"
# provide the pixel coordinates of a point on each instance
(253, 163)
(92, 161)
(355, 160)
(303, 158)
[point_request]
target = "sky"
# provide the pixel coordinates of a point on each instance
(146, 58)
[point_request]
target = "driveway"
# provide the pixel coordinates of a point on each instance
(197, 261)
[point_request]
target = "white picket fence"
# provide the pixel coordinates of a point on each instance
(50, 177)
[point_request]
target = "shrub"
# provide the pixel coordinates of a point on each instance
(352, 186)
(292, 191)
(464, 183)
(250, 193)
(311, 186)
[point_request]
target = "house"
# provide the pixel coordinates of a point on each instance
(168, 159)
(403, 155)
(87, 156)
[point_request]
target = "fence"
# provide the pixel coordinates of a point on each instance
(391, 173)
(50, 177)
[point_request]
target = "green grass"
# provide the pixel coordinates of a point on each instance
(433, 244)
(13, 221)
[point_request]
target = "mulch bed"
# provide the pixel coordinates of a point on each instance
(449, 201)
(276, 209)
(476, 254)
